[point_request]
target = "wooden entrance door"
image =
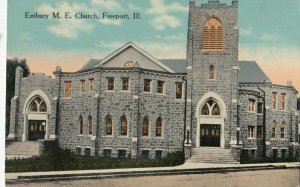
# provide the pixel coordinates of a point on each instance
(210, 135)
(36, 130)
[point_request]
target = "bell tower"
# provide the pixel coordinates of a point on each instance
(212, 72)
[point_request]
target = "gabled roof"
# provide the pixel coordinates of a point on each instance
(130, 44)
(250, 72)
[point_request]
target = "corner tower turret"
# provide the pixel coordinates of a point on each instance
(212, 70)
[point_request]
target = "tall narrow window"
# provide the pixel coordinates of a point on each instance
(145, 127)
(211, 72)
(158, 129)
(178, 90)
(68, 89)
(213, 36)
(251, 104)
(90, 125)
(274, 103)
(250, 131)
(110, 83)
(260, 108)
(83, 87)
(273, 129)
(92, 85)
(125, 84)
(160, 87)
(108, 126)
(282, 127)
(282, 96)
(80, 125)
(123, 126)
(147, 85)
(259, 132)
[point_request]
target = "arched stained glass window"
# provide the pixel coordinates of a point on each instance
(38, 105)
(123, 126)
(158, 128)
(108, 125)
(146, 127)
(90, 125)
(211, 108)
(213, 35)
(80, 125)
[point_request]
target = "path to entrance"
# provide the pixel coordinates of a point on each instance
(272, 178)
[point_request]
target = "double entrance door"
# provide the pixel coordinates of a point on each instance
(210, 135)
(36, 130)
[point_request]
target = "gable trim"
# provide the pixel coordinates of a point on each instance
(130, 44)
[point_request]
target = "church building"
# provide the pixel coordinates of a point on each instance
(133, 105)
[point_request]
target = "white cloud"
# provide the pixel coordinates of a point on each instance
(133, 7)
(107, 4)
(158, 7)
(246, 31)
(175, 37)
(162, 14)
(269, 37)
(110, 22)
(67, 28)
(161, 22)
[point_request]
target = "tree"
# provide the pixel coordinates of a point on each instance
(11, 65)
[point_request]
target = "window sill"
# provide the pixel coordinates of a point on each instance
(145, 137)
(110, 91)
(125, 91)
(79, 135)
(251, 138)
(123, 137)
(67, 98)
(147, 92)
(108, 136)
(251, 112)
(283, 139)
(159, 138)
(161, 94)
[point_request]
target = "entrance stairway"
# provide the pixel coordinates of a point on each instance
(212, 155)
(21, 150)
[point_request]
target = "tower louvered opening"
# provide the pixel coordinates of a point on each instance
(213, 36)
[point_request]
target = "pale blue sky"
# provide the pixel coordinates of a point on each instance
(269, 32)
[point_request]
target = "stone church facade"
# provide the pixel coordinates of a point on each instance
(131, 104)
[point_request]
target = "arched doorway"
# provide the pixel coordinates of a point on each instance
(36, 110)
(210, 114)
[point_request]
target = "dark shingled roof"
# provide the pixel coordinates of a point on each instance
(177, 65)
(250, 72)
(90, 64)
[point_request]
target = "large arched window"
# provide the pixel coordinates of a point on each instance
(282, 130)
(158, 128)
(211, 108)
(146, 126)
(38, 105)
(108, 125)
(273, 129)
(123, 126)
(80, 125)
(213, 36)
(90, 125)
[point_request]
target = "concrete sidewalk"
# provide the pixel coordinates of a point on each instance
(185, 169)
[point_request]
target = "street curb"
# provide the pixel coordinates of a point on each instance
(124, 174)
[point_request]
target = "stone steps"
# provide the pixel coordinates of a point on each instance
(22, 150)
(212, 155)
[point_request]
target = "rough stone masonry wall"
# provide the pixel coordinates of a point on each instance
(135, 105)
(225, 62)
(71, 108)
(287, 116)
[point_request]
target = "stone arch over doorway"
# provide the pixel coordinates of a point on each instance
(211, 115)
(36, 113)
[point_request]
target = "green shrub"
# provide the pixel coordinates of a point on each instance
(60, 160)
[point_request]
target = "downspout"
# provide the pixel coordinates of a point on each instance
(99, 117)
(264, 122)
(138, 120)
